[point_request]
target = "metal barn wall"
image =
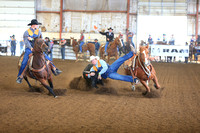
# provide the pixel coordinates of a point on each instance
(14, 17)
(75, 21)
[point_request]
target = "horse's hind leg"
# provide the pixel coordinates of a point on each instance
(27, 82)
(156, 84)
(146, 86)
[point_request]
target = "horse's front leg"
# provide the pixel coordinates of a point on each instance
(44, 83)
(25, 77)
(76, 57)
(133, 86)
(146, 86)
(50, 81)
(108, 59)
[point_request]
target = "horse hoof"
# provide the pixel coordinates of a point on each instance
(133, 87)
(56, 97)
(144, 93)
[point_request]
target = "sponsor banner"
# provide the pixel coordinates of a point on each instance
(169, 50)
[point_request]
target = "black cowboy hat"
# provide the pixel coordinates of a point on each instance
(34, 22)
(110, 28)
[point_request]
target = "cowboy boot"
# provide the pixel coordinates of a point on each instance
(56, 72)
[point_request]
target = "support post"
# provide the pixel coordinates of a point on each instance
(61, 17)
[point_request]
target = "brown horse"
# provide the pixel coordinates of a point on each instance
(89, 46)
(140, 67)
(111, 50)
(38, 68)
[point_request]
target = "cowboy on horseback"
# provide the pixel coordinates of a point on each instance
(82, 41)
(109, 37)
(29, 36)
(105, 70)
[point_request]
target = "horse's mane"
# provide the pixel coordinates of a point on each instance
(37, 45)
(74, 42)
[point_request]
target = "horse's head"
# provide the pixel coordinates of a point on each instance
(40, 45)
(144, 53)
(74, 42)
(118, 41)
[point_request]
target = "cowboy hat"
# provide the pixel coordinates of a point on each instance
(110, 28)
(34, 22)
(94, 57)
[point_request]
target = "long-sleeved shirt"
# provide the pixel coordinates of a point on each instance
(109, 36)
(82, 38)
(102, 70)
(28, 44)
(97, 45)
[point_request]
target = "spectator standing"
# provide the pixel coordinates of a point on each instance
(21, 46)
(164, 39)
(62, 44)
(150, 40)
(97, 45)
(192, 40)
(172, 40)
(13, 45)
(50, 49)
(130, 37)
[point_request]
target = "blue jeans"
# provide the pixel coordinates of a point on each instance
(130, 38)
(81, 44)
(13, 49)
(96, 52)
(112, 70)
(106, 46)
(63, 52)
(25, 60)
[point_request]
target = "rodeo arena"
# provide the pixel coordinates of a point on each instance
(100, 66)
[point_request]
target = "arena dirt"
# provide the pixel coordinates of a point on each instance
(110, 108)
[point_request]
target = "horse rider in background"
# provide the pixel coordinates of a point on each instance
(109, 37)
(82, 41)
(29, 35)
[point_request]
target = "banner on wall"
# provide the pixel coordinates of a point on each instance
(169, 50)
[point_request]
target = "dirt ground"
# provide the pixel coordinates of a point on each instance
(175, 109)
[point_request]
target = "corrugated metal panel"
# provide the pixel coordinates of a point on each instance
(76, 21)
(133, 6)
(163, 7)
(14, 16)
(191, 25)
(96, 5)
(48, 5)
(51, 21)
(17, 3)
